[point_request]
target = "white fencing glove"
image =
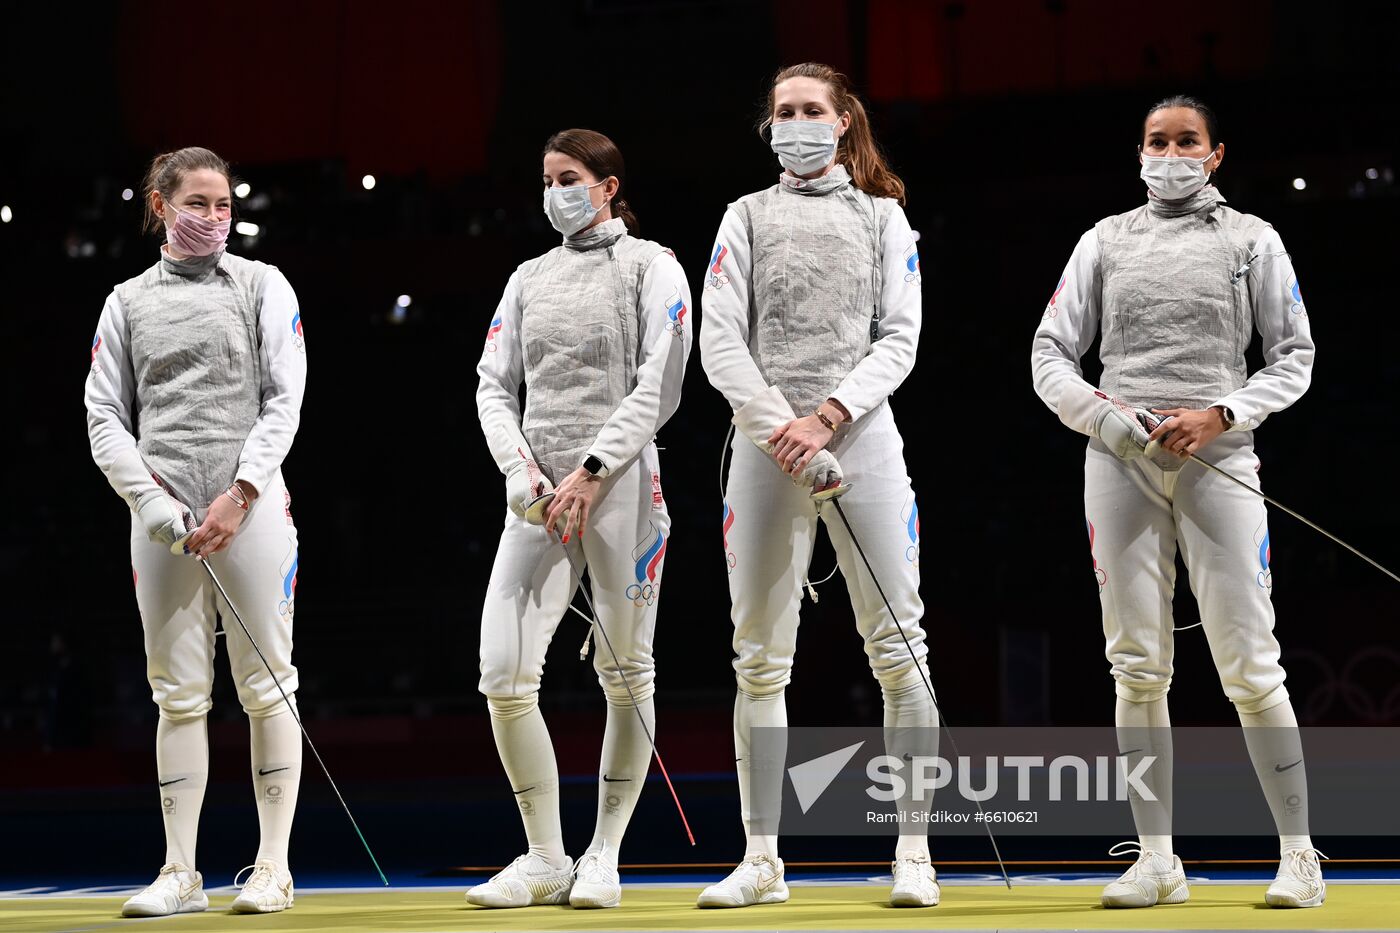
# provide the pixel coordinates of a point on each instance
(1115, 423)
(767, 411)
(167, 521)
(821, 472)
(525, 483)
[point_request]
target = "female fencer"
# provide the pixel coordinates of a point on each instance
(812, 316)
(193, 398)
(598, 329)
(1175, 289)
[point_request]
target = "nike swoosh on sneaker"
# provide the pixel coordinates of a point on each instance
(1128, 752)
(168, 783)
(614, 780)
(1283, 768)
(519, 792)
(262, 773)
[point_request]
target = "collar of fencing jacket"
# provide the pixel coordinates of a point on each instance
(191, 267)
(836, 178)
(1204, 200)
(604, 234)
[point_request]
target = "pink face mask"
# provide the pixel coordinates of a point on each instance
(195, 236)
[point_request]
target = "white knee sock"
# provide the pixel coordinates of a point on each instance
(911, 728)
(1145, 729)
(751, 711)
(622, 772)
(522, 740)
(1277, 753)
(276, 746)
(182, 770)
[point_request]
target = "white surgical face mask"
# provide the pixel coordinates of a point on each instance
(1172, 178)
(570, 208)
(804, 146)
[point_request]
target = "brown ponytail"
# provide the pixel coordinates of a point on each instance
(599, 155)
(858, 150)
(167, 172)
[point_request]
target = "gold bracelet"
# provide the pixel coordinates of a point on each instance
(830, 425)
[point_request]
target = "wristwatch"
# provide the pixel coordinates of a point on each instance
(592, 465)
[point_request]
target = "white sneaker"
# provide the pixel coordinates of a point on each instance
(1153, 879)
(525, 882)
(757, 880)
(1299, 881)
(596, 883)
(176, 890)
(267, 890)
(915, 882)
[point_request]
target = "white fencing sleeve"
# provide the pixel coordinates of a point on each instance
(1067, 330)
(1283, 327)
(501, 371)
(110, 398)
(664, 327)
(891, 358)
(724, 338)
(283, 350)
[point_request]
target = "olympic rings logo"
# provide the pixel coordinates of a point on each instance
(914, 278)
(1296, 307)
(675, 328)
(643, 594)
(287, 609)
(911, 554)
(731, 560)
(1265, 579)
(1365, 686)
(1101, 576)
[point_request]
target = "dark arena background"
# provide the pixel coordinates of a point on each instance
(391, 153)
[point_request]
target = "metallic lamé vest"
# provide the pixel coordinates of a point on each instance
(194, 344)
(578, 329)
(1175, 320)
(814, 287)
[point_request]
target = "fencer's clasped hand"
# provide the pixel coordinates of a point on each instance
(1184, 431)
(525, 483)
(794, 444)
(1121, 429)
(164, 518)
(220, 524)
(575, 497)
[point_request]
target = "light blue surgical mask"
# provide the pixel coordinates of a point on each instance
(804, 146)
(1173, 178)
(570, 208)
